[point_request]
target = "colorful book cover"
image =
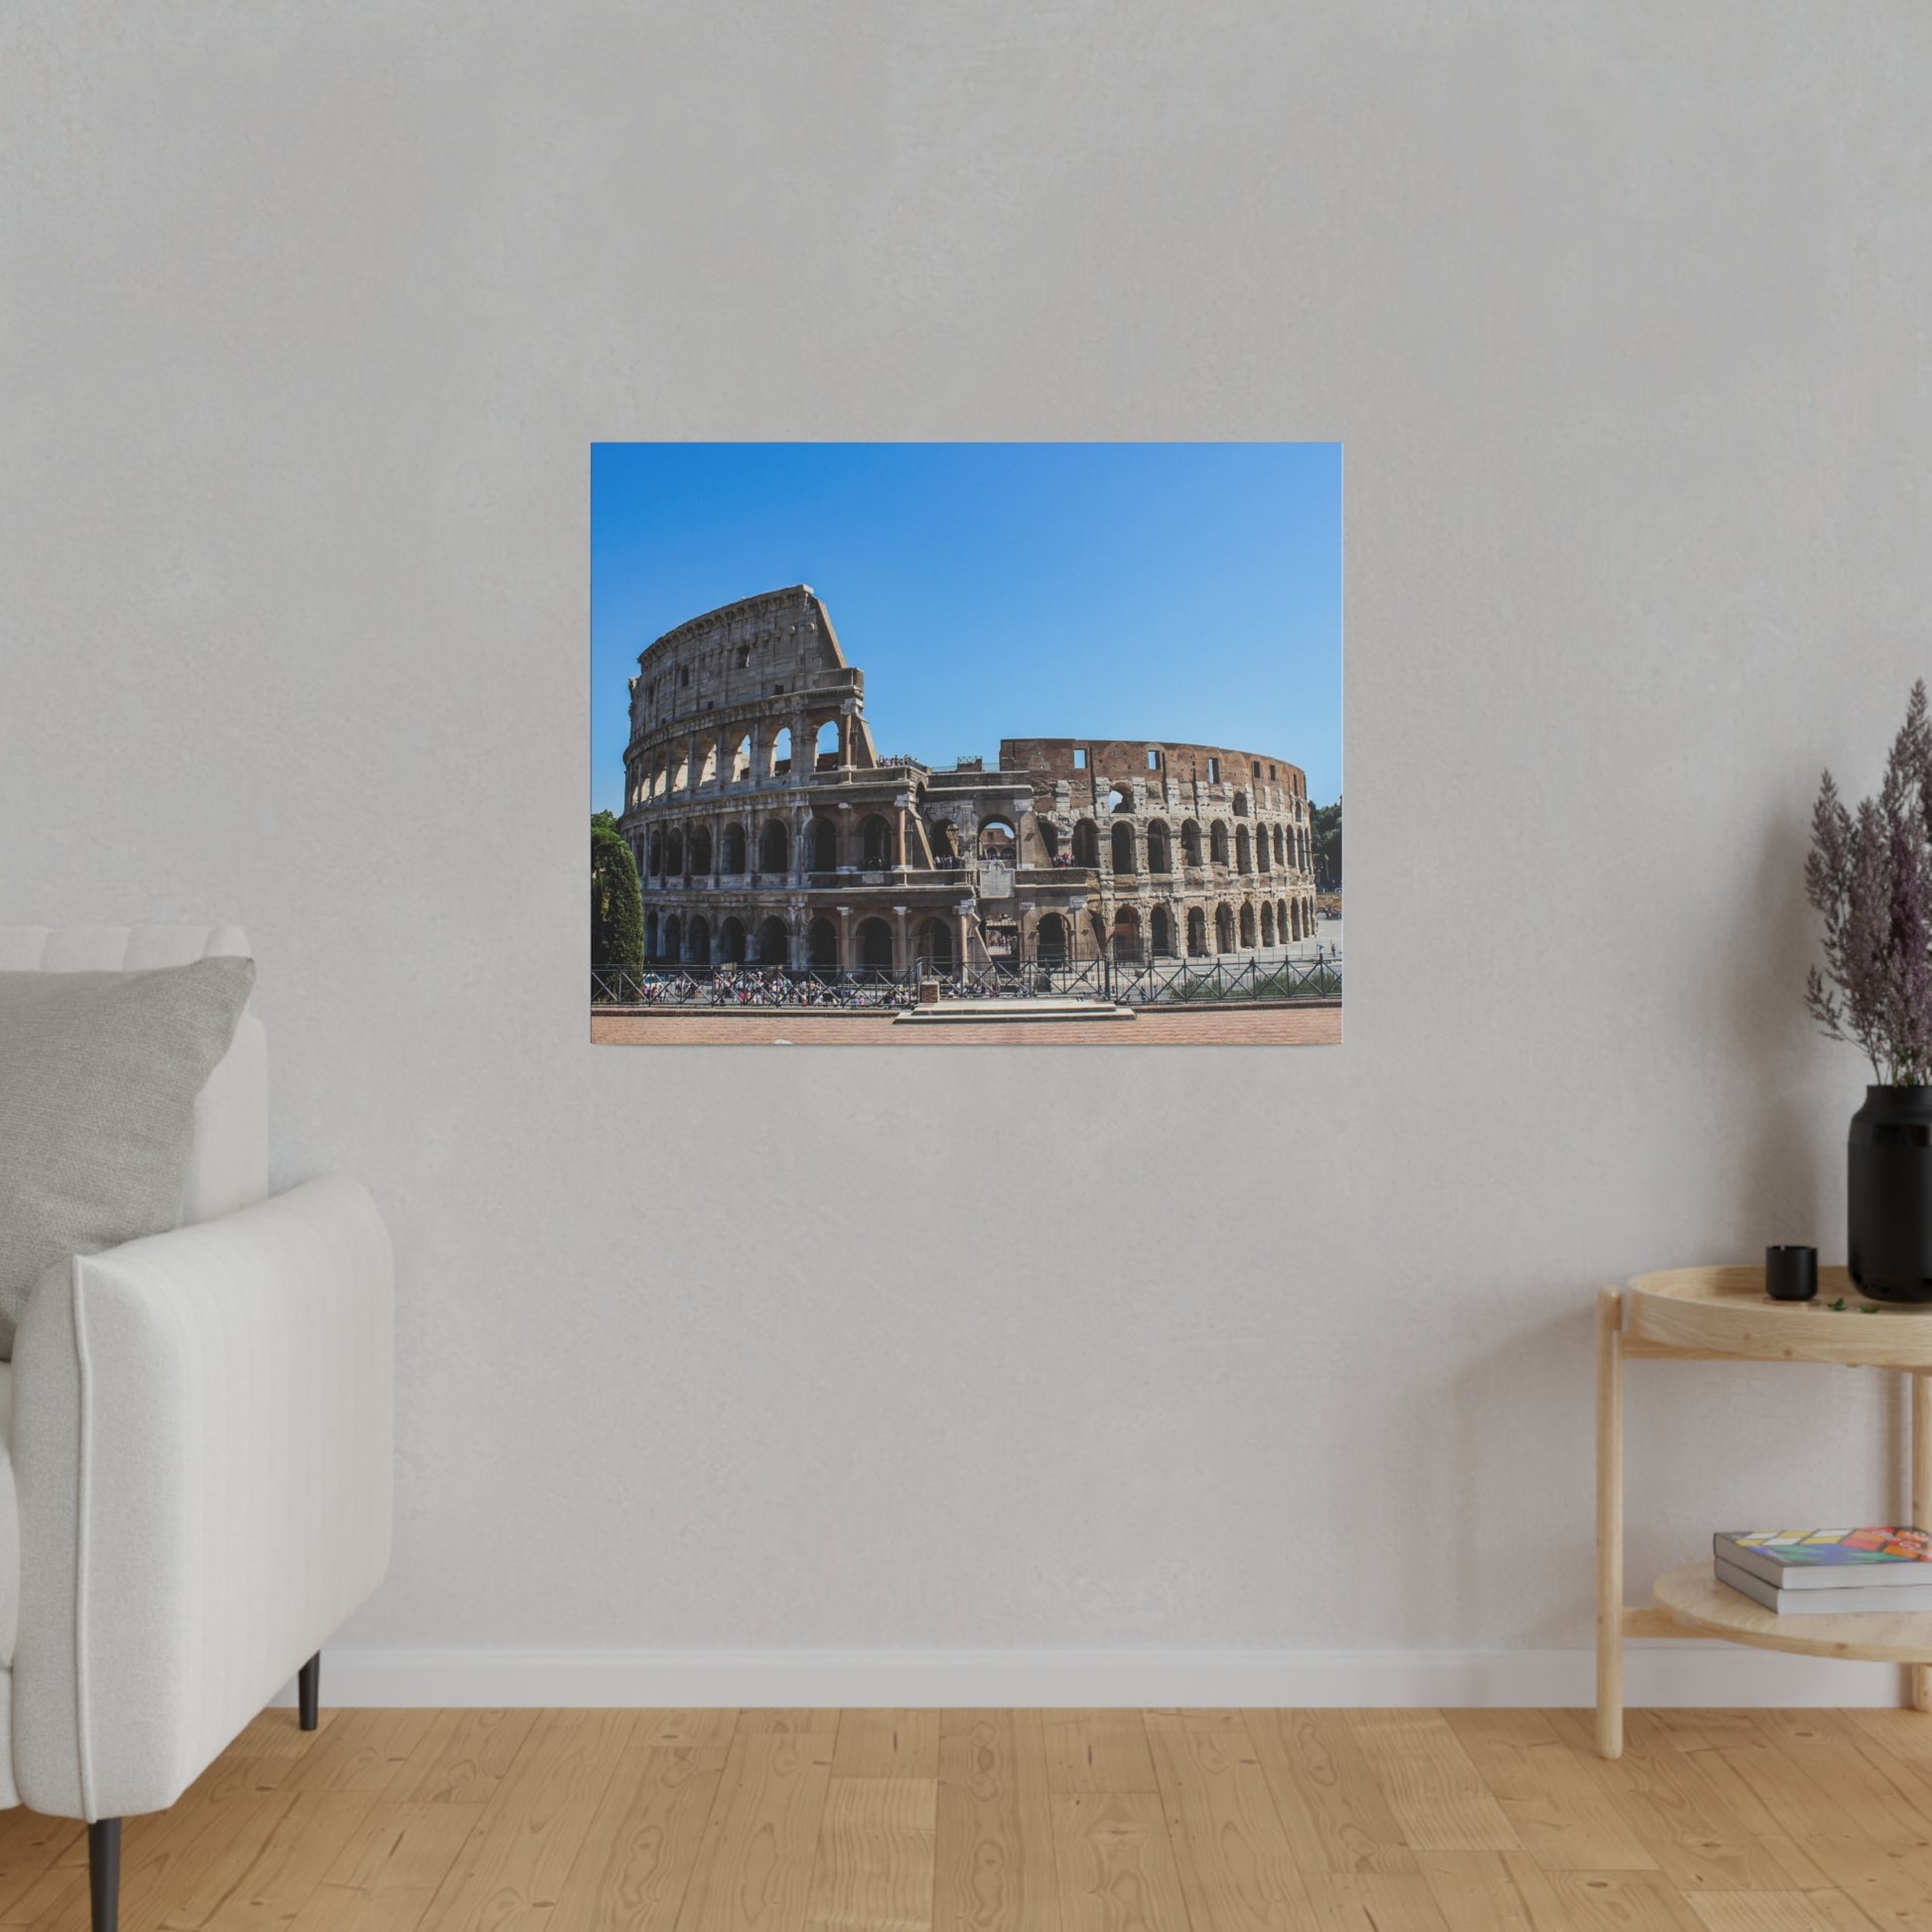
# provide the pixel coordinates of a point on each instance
(1820, 1549)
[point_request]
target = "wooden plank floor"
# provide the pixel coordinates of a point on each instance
(1022, 1821)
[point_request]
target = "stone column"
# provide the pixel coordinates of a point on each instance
(904, 956)
(846, 961)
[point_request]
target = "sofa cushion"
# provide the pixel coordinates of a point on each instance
(98, 1077)
(9, 1524)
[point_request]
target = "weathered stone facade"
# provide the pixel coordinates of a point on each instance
(767, 828)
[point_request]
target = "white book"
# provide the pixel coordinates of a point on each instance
(1895, 1599)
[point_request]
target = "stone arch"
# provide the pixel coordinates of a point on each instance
(932, 942)
(675, 937)
(731, 941)
(1244, 851)
(1217, 843)
(772, 940)
(1160, 847)
(674, 852)
(1247, 926)
(997, 842)
(944, 840)
(1197, 933)
(821, 846)
(822, 943)
(657, 862)
(1126, 860)
(1050, 940)
(680, 767)
(1281, 848)
(875, 942)
(650, 935)
(699, 851)
(1241, 803)
(1119, 801)
(1127, 934)
(697, 943)
(825, 745)
(1224, 927)
(1049, 838)
(1159, 933)
(1267, 922)
(876, 842)
(1261, 847)
(775, 846)
(1086, 845)
(707, 771)
(732, 857)
(781, 753)
(1191, 842)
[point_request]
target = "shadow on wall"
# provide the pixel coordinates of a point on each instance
(1515, 1420)
(1763, 1033)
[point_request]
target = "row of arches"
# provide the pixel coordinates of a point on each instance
(707, 762)
(696, 940)
(873, 942)
(690, 852)
(1228, 928)
(1241, 801)
(1262, 848)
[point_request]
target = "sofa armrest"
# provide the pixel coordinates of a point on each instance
(203, 1453)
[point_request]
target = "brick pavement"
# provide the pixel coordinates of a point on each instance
(1202, 1025)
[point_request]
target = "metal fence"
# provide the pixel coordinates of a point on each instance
(873, 988)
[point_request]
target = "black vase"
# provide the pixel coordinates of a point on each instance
(1890, 1199)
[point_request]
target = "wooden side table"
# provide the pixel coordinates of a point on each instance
(1705, 1315)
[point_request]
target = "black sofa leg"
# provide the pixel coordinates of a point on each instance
(307, 1689)
(104, 1872)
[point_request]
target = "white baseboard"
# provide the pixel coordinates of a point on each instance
(1655, 1673)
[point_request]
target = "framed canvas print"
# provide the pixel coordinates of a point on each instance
(966, 744)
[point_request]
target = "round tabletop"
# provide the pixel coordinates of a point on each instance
(1725, 1312)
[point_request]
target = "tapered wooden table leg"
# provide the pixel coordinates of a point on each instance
(1609, 1523)
(1921, 1385)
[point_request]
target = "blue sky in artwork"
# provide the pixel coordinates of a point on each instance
(1181, 591)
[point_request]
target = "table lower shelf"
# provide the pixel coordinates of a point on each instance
(1696, 1603)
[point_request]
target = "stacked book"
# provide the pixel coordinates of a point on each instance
(1828, 1572)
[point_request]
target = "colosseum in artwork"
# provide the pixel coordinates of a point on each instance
(768, 828)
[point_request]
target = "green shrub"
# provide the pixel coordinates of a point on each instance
(616, 899)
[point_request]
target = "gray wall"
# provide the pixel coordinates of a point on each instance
(310, 317)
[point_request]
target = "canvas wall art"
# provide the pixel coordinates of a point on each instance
(966, 745)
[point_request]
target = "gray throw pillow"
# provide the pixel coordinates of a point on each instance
(98, 1074)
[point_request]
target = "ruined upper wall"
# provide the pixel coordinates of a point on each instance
(1116, 760)
(772, 645)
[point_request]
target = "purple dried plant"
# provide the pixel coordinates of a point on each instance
(1870, 876)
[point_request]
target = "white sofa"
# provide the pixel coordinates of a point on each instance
(198, 1466)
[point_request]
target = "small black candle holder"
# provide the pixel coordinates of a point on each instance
(1791, 1274)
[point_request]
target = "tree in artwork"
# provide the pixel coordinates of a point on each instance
(617, 900)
